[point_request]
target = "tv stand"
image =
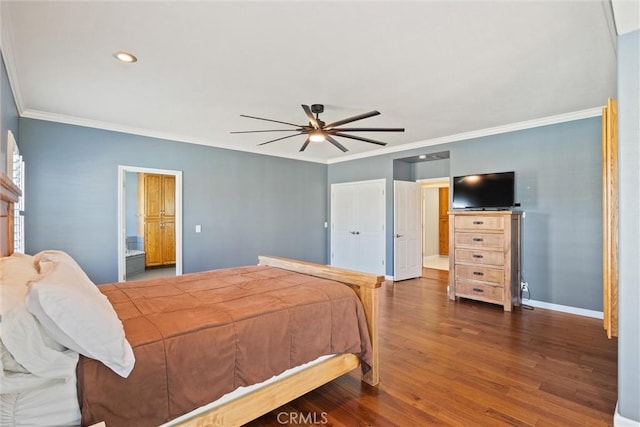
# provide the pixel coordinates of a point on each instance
(484, 256)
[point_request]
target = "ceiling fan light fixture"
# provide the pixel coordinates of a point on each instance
(317, 136)
(319, 131)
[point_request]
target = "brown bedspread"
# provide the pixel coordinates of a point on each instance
(199, 336)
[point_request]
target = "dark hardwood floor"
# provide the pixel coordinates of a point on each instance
(468, 363)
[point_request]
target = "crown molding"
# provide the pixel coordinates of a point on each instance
(96, 124)
(528, 124)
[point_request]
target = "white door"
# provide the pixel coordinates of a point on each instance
(370, 228)
(407, 230)
(358, 226)
(344, 244)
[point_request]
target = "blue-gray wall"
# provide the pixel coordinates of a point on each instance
(558, 183)
(8, 115)
(247, 204)
(629, 246)
(432, 169)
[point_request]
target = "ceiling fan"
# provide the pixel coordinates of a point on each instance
(318, 131)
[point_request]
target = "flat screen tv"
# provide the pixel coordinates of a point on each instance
(484, 191)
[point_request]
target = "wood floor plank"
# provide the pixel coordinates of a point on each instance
(459, 363)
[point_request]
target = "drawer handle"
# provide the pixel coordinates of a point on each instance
(478, 290)
(478, 222)
(478, 239)
(477, 256)
(478, 273)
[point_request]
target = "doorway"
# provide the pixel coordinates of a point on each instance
(435, 223)
(134, 228)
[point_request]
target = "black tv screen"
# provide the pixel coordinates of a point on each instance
(490, 190)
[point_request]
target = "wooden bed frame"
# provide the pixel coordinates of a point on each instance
(254, 404)
(9, 194)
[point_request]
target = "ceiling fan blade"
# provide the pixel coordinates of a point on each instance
(352, 119)
(336, 143)
(278, 139)
(309, 114)
(306, 142)
(368, 130)
(270, 130)
(270, 120)
(359, 138)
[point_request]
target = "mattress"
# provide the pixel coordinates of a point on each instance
(55, 405)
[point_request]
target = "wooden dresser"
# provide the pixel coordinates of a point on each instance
(484, 256)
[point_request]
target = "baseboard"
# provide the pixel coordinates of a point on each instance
(565, 308)
(620, 421)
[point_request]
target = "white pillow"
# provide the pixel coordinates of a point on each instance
(15, 272)
(76, 314)
(28, 357)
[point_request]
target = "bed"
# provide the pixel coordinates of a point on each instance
(247, 400)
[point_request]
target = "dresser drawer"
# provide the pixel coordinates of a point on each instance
(480, 273)
(479, 222)
(478, 256)
(480, 292)
(479, 240)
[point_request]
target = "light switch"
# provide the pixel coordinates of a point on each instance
(198, 228)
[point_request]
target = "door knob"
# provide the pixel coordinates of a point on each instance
(399, 236)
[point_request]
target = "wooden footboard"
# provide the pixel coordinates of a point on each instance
(365, 285)
(250, 406)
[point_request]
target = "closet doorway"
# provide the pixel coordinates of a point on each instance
(149, 222)
(435, 223)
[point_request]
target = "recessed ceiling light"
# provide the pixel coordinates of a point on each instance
(125, 57)
(422, 156)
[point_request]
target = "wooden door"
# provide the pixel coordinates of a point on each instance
(168, 230)
(153, 195)
(168, 215)
(159, 219)
(152, 242)
(610, 217)
(443, 221)
(168, 196)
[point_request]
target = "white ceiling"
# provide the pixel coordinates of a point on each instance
(436, 68)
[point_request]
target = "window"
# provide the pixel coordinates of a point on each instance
(17, 175)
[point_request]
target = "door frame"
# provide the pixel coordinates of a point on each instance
(431, 183)
(122, 231)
